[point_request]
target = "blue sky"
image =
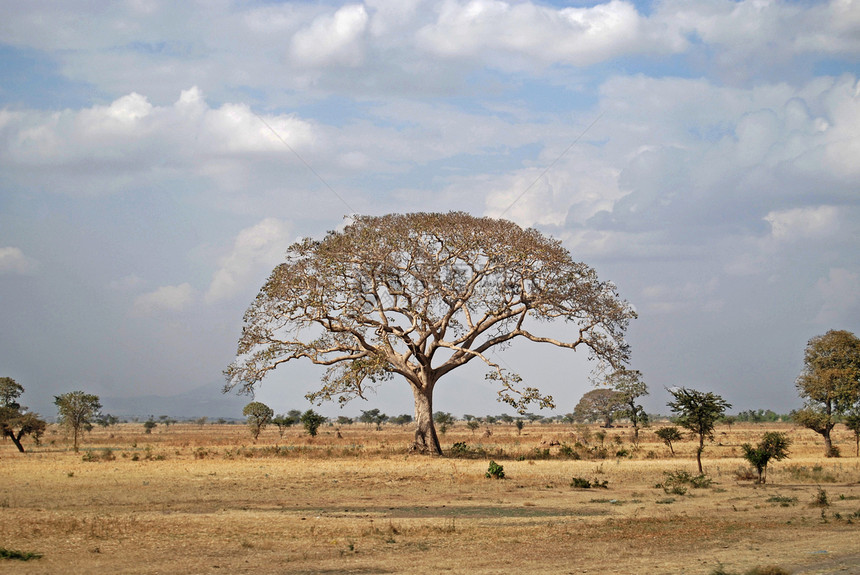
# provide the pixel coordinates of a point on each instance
(703, 152)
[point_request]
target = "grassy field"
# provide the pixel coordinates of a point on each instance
(206, 499)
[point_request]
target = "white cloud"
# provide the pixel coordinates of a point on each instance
(533, 34)
(166, 299)
(131, 143)
(840, 291)
(335, 39)
(803, 223)
(14, 262)
(256, 250)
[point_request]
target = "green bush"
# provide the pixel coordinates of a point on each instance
(676, 482)
(582, 483)
(18, 555)
(495, 471)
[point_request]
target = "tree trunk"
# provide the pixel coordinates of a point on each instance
(16, 441)
(699, 453)
(828, 443)
(426, 440)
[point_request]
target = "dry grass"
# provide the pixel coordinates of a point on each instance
(208, 500)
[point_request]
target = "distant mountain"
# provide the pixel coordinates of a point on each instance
(202, 401)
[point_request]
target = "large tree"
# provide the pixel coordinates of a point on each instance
(829, 382)
(417, 296)
(15, 421)
(76, 411)
(698, 412)
(599, 405)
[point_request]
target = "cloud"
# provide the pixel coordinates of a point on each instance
(131, 144)
(804, 223)
(533, 34)
(840, 291)
(255, 249)
(166, 299)
(335, 39)
(14, 262)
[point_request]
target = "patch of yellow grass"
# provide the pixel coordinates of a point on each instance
(209, 500)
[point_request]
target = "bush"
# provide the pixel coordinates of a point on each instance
(582, 483)
(820, 499)
(676, 482)
(19, 555)
(495, 471)
(105, 454)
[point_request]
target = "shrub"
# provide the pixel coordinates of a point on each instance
(105, 454)
(459, 449)
(495, 471)
(582, 483)
(19, 555)
(783, 501)
(746, 474)
(676, 482)
(774, 445)
(820, 499)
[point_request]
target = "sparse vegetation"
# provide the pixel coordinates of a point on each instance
(216, 493)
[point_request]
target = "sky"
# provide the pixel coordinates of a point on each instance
(157, 158)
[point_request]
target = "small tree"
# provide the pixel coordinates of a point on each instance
(76, 411)
(374, 417)
(829, 382)
(402, 419)
(444, 420)
(698, 412)
(628, 382)
(312, 421)
(599, 405)
(774, 445)
(106, 419)
(259, 415)
(668, 435)
(149, 425)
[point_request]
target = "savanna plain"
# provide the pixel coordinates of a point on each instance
(193, 498)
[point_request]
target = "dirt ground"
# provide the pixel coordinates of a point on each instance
(206, 499)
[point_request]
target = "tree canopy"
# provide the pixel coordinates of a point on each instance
(599, 405)
(829, 382)
(258, 415)
(15, 421)
(417, 296)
